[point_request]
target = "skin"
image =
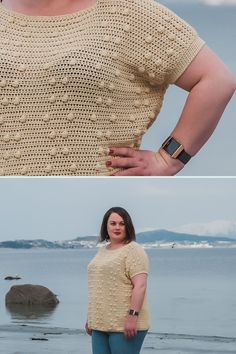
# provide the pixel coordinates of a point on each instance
(47, 7)
(116, 232)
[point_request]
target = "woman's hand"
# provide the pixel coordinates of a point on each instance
(130, 329)
(143, 162)
(88, 330)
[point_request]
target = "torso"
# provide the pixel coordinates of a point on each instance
(71, 99)
(73, 86)
(109, 279)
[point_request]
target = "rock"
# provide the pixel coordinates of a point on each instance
(39, 339)
(9, 277)
(30, 312)
(28, 294)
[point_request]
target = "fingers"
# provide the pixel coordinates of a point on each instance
(122, 151)
(88, 330)
(134, 162)
(130, 333)
(130, 166)
(130, 329)
(122, 162)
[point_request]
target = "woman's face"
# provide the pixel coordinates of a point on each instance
(116, 228)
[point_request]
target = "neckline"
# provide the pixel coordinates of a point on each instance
(116, 249)
(46, 18)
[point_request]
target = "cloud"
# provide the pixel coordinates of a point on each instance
(212, 228)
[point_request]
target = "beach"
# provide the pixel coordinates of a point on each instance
(33, 340)
(191, 295)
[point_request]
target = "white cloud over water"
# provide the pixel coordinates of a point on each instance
(212, 228)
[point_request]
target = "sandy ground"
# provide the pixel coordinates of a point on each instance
(16, 339)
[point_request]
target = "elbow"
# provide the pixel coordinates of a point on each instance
(140, 287)
(228, 84)
(231, 85)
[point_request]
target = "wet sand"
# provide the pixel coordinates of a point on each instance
(27, 339)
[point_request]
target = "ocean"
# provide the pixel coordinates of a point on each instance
(191, 297)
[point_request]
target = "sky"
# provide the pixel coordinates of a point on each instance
(66, 208)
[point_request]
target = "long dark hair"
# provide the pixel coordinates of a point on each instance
(129, 227)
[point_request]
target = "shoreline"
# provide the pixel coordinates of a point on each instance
(18, 339)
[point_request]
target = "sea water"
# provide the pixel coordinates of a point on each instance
(190, 291)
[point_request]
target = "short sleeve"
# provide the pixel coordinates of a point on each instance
(160, 44)
(136, 261)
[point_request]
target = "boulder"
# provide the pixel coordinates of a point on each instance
(28, 294)
(10, 277)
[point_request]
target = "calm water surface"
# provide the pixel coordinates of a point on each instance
(190, 291)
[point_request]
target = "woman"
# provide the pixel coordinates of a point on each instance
(117, 314)
(82, 81)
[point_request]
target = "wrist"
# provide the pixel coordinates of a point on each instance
(176, 149)
(133, 313)
(173, 165)
(132, 318)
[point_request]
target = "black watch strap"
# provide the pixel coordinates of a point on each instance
(133, 313)
(175, 150)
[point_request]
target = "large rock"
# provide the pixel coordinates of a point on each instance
(28, 294)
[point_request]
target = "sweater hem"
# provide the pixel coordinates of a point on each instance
(106, 329)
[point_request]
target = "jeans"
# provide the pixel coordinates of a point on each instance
(116, 342)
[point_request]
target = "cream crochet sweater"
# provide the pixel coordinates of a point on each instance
(110, 287)
(71, 86)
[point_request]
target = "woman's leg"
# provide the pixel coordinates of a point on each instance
(120, 344)
(100, 342)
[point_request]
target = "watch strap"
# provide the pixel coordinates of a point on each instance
(133, 312)
(175, 150)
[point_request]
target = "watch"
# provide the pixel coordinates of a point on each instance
(175, 150)
(133, 313)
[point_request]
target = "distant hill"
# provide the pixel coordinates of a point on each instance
(86, 238)
(170, 236)
(155, 237)
(29, 244)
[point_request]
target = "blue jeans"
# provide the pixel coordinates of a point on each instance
(116, 342)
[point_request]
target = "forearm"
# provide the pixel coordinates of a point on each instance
(137, 297)
(202, 111)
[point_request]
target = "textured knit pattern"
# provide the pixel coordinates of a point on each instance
(71, 86)
(110, 287)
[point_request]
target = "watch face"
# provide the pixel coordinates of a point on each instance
(173, 146)
(133, 313)
(176, 150)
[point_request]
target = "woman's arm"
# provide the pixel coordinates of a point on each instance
(139, 282)
(210, 86)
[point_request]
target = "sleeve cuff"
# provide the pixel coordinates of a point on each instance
(186, 59)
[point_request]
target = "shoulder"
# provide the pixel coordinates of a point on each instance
(136, 248)
(100, 251)
(136, 259)
(101, 248)
(135, 245)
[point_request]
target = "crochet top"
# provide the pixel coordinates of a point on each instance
(110, 287)
(73, 85)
